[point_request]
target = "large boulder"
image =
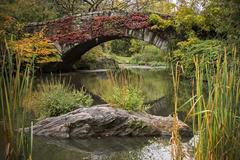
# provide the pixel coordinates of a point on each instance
(103, 121)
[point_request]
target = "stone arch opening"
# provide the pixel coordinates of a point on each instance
(73, 53)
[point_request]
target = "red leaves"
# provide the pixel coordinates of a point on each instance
(65, 31)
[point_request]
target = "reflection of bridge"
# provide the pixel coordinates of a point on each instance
(77, 34)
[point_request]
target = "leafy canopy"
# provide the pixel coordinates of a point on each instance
(36, 46)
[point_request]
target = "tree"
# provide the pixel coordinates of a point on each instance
(93, 4)
(121, 47)
(36, 47)
(28, 10)
(69, 7)
(223, 17)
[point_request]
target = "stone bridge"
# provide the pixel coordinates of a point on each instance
(75, 35)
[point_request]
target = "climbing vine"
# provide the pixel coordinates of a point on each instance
(65, 31)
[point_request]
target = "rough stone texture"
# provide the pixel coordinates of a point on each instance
(72, 52)
(103, 121)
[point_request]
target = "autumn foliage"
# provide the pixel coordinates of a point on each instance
(65, 32)
(36, 47)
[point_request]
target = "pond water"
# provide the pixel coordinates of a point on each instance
(155, 84)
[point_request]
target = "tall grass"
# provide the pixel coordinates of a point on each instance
(175, 140)
(216, 113)
(16, 83)
(126, 92)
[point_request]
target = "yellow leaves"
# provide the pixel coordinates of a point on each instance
(9, 25)
(188, 42)
(158, 22)
(162, 7)
(37, 46)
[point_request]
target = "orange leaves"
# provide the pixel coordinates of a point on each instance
(37, 46)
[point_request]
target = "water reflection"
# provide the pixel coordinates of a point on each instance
(107, 148)
(154, 84)
(157, 88)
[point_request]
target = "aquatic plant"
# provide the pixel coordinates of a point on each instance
(55, 97)
(125, 94)
(216, 113)
(15, 85)
(214, 108)
(175, 141)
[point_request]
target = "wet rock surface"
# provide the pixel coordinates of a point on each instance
(104, 121)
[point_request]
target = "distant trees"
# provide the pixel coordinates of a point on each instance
(28, 10)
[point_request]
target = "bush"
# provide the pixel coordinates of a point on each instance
(35, 46)
(159, 23)
(125, 94)
(149, 56)
(96, 58)
(128, 97)
(121, 47)
(209, 49)
(55, 98)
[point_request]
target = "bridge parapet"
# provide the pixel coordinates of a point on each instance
(37, 26)
(75, 35)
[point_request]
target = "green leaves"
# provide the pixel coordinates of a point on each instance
(128, 97)
(56, 98)
(159, 23)
(209, 49)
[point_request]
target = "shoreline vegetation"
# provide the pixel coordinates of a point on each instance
(16, 85)
(204, 48)
(219, 85)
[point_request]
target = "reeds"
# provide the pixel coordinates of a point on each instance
(16, 83)
(126, 91)
(216, 113)
(176, 147)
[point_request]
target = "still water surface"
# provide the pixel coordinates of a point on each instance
(154, 84)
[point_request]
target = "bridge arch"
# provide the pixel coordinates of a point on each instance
(73, 53)
(76, 35)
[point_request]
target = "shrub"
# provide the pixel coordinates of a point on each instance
(124, 94)
(55, 98)
(150, 55)
(128, 97)
(35, 46)
(158, 22)
(121, 47)
(96, 58)
(209, 49)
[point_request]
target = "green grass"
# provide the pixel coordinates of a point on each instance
(151, 55)
(56, 97)
(119, 59)
(124, 93)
